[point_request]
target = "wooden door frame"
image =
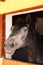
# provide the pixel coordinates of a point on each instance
(2, 32)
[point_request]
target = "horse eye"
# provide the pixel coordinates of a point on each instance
(12, 45)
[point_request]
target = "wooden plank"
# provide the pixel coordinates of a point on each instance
(2, 34)
(12, 62)
(1, 19)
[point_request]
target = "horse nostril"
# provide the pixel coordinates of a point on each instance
(4, 45)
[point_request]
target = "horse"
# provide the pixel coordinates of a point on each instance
(20, 37)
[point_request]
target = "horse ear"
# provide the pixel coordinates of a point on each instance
(12, 28)
(28, 18)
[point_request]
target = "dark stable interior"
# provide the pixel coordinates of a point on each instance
(22, 54)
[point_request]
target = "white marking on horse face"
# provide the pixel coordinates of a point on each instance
(17, 41)
(8, 46)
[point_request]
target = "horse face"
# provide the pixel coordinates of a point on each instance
(16, 40)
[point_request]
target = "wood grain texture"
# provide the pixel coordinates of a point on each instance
(12, 62)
